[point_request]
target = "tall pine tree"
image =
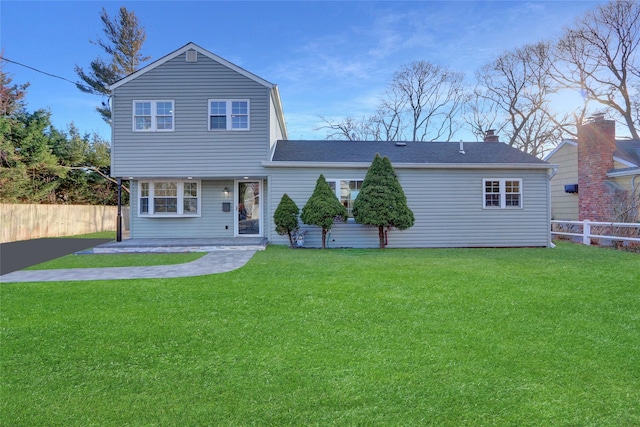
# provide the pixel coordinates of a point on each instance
(381, 201)
(124, 40)
(322, 208)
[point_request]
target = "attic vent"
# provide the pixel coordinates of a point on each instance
(192, 56)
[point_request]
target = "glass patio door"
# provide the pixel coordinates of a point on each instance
(248, 220)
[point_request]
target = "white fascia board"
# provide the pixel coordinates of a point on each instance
(275, 94)
(626, 172)
(191, 46)
(625, 162)
(365, 165)
(559, 146)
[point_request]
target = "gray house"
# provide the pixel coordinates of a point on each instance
(204, 145)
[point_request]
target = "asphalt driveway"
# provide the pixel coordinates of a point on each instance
(18, 255)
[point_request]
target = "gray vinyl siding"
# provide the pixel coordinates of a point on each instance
(211, 223)
(191, 149)
(447, 204)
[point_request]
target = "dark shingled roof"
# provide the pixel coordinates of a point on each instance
(628, 150)
(410, 152)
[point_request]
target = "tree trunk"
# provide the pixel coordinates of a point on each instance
(381, 236)
(324, 238)
(291, 245)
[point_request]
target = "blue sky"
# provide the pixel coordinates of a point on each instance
(331, 59)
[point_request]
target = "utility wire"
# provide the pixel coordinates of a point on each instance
(51, 75)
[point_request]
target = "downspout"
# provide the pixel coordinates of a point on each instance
(554, 171)
(634, 196)
(119, 216)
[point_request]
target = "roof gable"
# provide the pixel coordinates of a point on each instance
(182, 50)
(627, 151)
(401, 152)
(564, 142)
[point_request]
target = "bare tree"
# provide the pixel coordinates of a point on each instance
(481, 114)
(433, 97)
(517, 85)
(349, 128)
(598, 56)
(422, 103)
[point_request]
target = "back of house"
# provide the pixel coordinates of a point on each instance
(204, 145)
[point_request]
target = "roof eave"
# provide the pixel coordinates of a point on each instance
(365, 165)
(279, 110)
(625, 172)
(559, 146)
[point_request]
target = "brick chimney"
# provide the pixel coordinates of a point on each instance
(596, 145)
(490, 136)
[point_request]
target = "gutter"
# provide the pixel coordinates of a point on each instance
(553, 172)
(365, 165)
(627, 172)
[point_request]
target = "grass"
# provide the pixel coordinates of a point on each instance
(96, 235)
(337, 337)
(116, 260)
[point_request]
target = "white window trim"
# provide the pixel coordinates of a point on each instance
(154, 115)
(503, 193)
(229, 115)
(337, 191)
(180, 195)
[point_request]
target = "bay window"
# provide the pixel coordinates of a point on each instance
(169, 198)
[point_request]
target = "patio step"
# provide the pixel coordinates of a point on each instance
(180, 245)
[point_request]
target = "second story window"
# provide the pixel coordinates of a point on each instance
(228, 114)
(152, 116)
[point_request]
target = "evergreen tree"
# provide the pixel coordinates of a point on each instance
(286, 217)
(381, 201)
(13, 180)
(13, 173)
(322, 208)
(11, 95)
(32, 171)
(124, 40)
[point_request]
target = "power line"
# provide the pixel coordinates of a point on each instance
(51, 75)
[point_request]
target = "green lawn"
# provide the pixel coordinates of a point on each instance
(96, 235)
(116, 260)
(522, 337)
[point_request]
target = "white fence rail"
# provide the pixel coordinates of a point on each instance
(605, 233)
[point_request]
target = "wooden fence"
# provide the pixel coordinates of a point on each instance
(603, 233)
(21, 222)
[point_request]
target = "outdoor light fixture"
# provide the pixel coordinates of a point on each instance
(226, 191)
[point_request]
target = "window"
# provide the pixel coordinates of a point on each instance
(169, 198)
(228, 114)
(502, 193)
(346, 191)
(144, 198)
(190, 197)
(165, 197)
(152, 116)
